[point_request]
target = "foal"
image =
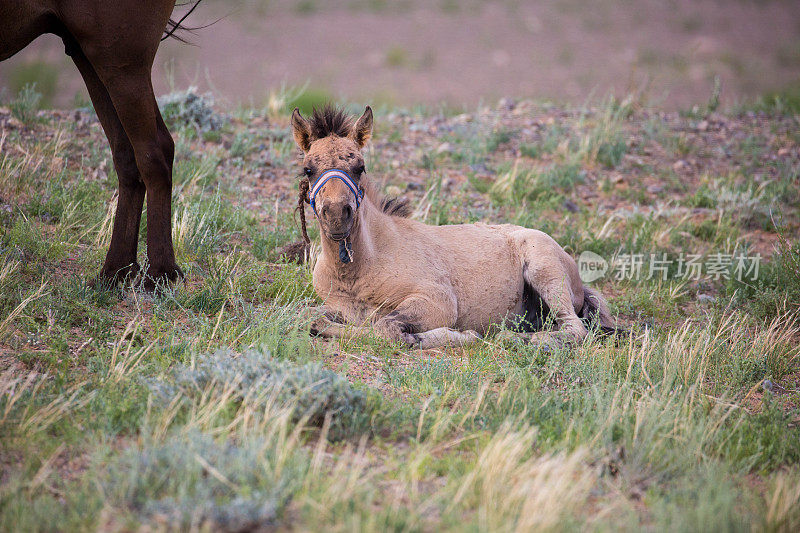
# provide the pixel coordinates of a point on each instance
(426, 285)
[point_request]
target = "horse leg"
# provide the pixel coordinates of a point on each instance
(434, 338)
(416, 322)
(120, 260)
(131, 92)
(444, 337)
(570, 327)
(553, 275)
(423, 322)
(121, 53)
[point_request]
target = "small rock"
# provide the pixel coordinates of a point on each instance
(445, 148)
(680, 164)
(411, 186)
(655, 189)
(638, 161)
(480, 168)
(705, 298)
(703, 126)
(506, 103)
(768, 385)
(571, 206)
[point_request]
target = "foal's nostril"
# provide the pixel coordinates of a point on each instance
(347, 212)
(324, 211)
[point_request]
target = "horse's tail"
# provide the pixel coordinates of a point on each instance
(595, 309)
(177, 25)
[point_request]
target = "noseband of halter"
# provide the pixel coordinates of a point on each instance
(334, 173)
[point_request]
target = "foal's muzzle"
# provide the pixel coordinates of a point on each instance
(337, 217)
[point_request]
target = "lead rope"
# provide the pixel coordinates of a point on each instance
(301, 201)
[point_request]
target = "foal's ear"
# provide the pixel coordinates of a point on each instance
(301, 130)
(362, 131)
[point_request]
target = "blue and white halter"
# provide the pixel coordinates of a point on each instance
(331, 174)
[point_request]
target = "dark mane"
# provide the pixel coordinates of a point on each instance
(395, 207)
(330, 120)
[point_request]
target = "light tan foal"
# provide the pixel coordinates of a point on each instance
(428, 286)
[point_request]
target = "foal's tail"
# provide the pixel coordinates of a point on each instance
(595, 309)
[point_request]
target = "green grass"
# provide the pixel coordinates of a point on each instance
(25, 106)
(208, 406)
(42, 75)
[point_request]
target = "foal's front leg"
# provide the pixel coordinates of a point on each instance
(417, 321)
(424, 322)
(444, 337)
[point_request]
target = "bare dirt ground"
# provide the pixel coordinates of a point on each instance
(411, 52)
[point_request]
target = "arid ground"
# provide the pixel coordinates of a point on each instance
(662, 137)
(208, 405)
(454, 52)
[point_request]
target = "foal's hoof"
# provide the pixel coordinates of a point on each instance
(111, 277)
(411, 339)
(315, 329)
(160, 277)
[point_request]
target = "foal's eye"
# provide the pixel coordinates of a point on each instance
(308, 172)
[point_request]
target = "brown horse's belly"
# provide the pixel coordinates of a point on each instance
(486, 274)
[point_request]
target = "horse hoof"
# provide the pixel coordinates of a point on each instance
(161, 277)
(315, 329)
(110, 277)
(411, 339)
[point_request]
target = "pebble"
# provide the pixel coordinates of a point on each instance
(680, 164)
(506, 103)
(445, 148)
(705, 298)
(571, 206)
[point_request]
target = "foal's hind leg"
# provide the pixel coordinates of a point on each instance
(121, 258)
(552, 273)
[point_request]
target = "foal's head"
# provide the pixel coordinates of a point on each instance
(333, 165)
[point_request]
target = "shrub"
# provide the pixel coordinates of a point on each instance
(309, 390)
(26, 104)
(191, 482)
(188, 108)
(777, 288)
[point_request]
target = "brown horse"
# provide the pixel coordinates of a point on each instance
(427, 285)
(113, 44)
